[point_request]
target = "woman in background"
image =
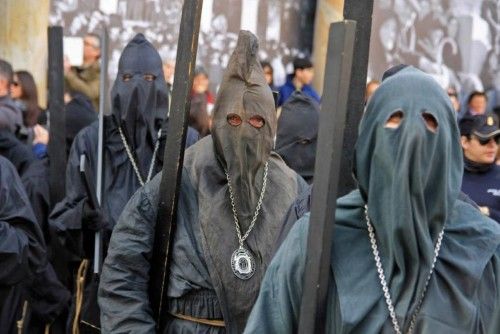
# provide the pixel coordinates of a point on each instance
(23, 90)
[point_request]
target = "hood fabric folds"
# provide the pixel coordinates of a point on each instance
(139, 98)
(400, 173)
(243, 150)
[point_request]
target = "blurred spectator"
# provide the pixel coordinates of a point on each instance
(85, 79)
(476, 103)
(371, 86)
(268, 74)
(297, 134)
(202, 103)
(303, 74)
(481, 180)
(168, 72)
(23, 91)
(11, 116)
(455, 102)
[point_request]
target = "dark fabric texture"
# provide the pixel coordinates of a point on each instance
(409, 177)
(463, 294)
(201, 283)
(22, 249)
(47, 296)
(79, 114)
(139, 106)
(298, 134)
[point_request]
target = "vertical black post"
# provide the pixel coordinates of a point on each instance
(360, 11)
(327, 169)
(173, 157)
(57, 131)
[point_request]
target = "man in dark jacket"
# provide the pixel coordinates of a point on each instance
(132, 155)
(480, 137)
(22, 253)
(234, 194)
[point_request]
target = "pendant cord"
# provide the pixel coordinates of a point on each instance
(241, 239)
(134, 163)
(383, 281)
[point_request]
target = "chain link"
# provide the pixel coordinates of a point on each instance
(241, 239)
(383, 282)
(132, 160)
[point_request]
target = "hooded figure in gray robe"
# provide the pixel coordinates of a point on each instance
(409, 171)
(227, 179)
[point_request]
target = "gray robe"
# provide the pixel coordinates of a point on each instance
(201, 284)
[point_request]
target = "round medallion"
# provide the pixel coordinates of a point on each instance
(242, 263)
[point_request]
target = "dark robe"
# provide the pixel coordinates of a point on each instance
(202, 284)
(409, 169)
(22, 250)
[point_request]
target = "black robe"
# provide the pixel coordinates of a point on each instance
(22, 250)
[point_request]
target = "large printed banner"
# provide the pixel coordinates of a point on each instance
(457, 41)
(284, 27)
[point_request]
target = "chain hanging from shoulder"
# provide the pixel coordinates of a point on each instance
(242, 261)
(133, 162)
(383, 282)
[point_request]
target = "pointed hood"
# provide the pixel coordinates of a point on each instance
(409, 175)
(244, 124)
(139, 98)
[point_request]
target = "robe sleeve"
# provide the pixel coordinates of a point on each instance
(278, 305)
(22, 249)
(123, 288)
(65, 221)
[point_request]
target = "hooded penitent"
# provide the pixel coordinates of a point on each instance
(140, 98)
(409, 176)
(298, 134)
(244, 124)
(202, 282)
(409, 169)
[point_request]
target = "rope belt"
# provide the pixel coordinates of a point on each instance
(80, 284)
(209, 322)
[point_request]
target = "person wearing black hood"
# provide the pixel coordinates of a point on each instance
(234, 193)
(409, 255)
(22, 250)
(480, 137)
(298, 134)
(132, 155)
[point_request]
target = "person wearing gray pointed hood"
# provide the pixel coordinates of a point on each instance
(234, 194)
(132, 154)
(298, 134)
(439, 257)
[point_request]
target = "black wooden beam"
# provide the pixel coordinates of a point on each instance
(57, 130)
(173, 157)
(334, 109)
(360, 11)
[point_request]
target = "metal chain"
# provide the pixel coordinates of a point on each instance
(132, 160)
(241, 239)
(383, 282)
